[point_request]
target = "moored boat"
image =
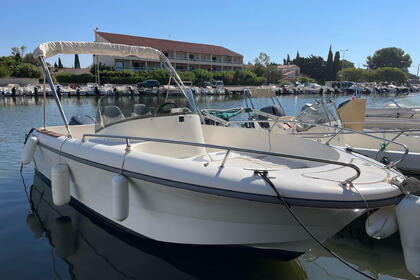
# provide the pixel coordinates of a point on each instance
(161, 173)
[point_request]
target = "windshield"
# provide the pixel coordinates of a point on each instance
(112, 110)
(319, 113)
(323, 113)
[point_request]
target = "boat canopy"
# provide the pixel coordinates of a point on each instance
(49, 49)
(261, 92)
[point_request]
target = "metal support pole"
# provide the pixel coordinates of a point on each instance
(342, 65)
(57, 100)
(45, 104)
(97, 69)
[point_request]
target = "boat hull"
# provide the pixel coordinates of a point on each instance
(169, 214)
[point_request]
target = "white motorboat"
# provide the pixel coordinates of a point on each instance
(320, 121)
(161, 173)
(311, 88)
(397, 112)
(106, 89)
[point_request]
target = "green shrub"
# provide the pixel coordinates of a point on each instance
(4, 71)
(260, 81)
(225, 76)
(68, 78)
(188, 76)
(390, 74)
(202, 75)
(161, 75)
(284, 82)
(353, 74)
(26, 70)
(384, 74)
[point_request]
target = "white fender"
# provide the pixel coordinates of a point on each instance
(120, 198)
(60, 184)
(29, 150)
(382, 223)
(408, 216)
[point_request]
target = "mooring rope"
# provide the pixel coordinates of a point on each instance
(263, 175)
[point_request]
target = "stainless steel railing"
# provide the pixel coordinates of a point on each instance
(229, 149)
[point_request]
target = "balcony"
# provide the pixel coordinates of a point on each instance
(182, 59)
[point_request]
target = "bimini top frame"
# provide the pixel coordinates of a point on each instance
(49, 49)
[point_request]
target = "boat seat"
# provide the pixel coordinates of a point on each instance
(112, 114)
(141, 110)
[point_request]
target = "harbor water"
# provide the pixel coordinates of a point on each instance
(41, 241)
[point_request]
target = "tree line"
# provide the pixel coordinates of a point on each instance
(388, 64)
(21, 65)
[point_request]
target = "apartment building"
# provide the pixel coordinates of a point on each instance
(183, 55)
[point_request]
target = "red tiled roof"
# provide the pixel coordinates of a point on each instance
(166, 45)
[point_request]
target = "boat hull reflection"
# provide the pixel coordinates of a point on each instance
(90, 246)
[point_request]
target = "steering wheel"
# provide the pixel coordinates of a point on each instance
(163, 109)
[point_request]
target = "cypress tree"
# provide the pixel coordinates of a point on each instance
(284, 61)
(297, 55)
(60, 65)
(288, 59)
(336, 63)
(55, 65)
(330, 66)
(76, 61)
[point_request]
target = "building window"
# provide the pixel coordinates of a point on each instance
(119, 64)
(214, 58)
(191, 56)
(166, 54)
(136, 64)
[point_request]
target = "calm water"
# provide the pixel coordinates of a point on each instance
(40, 241)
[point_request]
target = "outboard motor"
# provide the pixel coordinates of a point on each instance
(59, 90)
(80, 120)
(97, 93)
(116, 92)
(273, 110)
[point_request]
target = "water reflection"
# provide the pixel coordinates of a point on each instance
(88, 245)
(382, 259)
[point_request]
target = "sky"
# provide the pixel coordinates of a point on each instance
(275, 27)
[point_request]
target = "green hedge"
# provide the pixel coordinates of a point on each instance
(68, 78)
(26, 70)
(238, 77)
(384, 74)
(4, 71)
